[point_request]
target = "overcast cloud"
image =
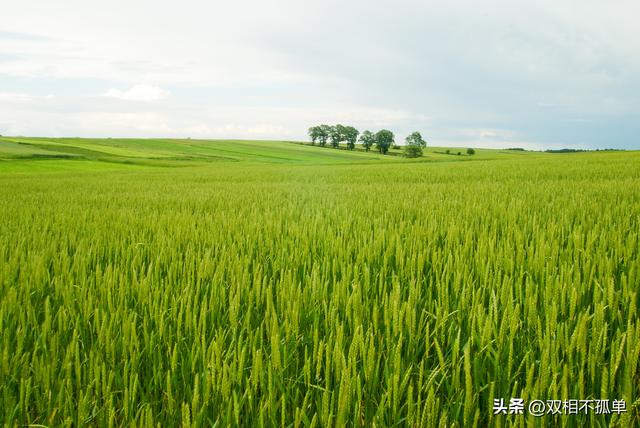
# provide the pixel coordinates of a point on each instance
(535, 74)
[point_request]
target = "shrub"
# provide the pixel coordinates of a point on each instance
(471, 151)
(412, 151)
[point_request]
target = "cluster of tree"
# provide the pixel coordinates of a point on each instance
(564, 150)
(335, 135)
(382, 140)
(581, 150)
(470, 152)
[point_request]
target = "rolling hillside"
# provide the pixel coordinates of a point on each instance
(173, 152)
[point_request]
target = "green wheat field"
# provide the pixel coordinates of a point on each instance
(253, 283)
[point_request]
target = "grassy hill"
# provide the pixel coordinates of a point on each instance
(165, 151)
(172, 152)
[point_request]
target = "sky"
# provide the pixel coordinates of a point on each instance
(535, 74)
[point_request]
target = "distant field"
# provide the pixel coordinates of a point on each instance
(253, 283)
(163, 152)
(189, 152)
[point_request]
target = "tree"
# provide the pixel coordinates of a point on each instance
(367, 139)
(323, 134)
(314, 134)
(384, 140)
(336, 135)
(471, 151)
(415, 139)
(350, 134)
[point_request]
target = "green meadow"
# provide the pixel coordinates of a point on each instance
(263, 283)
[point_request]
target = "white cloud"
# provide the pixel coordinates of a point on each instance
(138, 93)
(9, 96)
(267, 129)
(456, 71)
(22, 97)
(489, 134)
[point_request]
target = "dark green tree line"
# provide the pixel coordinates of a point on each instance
(383, 140)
